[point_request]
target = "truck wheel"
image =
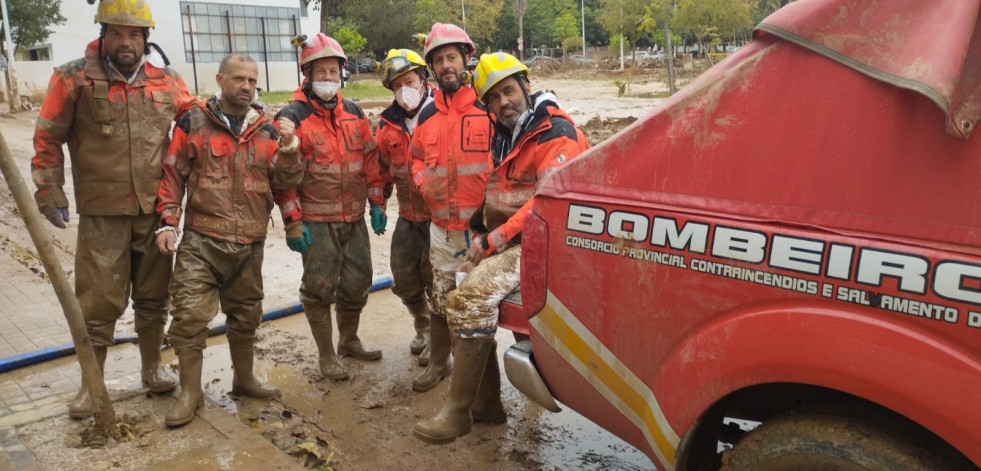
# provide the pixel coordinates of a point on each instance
(842, 442)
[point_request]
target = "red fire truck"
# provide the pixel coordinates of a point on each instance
(793, 240)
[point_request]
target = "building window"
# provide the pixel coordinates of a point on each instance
(303, 9)
(218, 29)
(40, 52)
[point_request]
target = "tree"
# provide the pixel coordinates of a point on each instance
(30, 23)
(566, 30)
(387, 24)
(622, 17)
(720, 18)
(350, 40)
(481, 21)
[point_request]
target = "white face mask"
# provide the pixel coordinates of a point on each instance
(408, 98)
(326, 89)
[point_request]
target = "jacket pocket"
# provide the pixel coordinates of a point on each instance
(431, 152)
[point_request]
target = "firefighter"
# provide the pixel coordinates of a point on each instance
(533, 137)
(227, 156)
(450, 153)
(341, 173)
(114, 108)
(405, 74)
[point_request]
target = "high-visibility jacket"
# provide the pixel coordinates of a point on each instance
(340, 158)
(393, 144)
(117, 134)
(547, 140)
(451, 160)
(229, 179)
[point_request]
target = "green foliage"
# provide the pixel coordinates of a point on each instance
(615, 44)
(382, 23)
(31, 21)
(349, 39)
(623, 86)
(574, 42)
(482, 17)
(724, 17)
(623, 16)
(566, 26)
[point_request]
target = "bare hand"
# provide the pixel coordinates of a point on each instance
(475, 254)
(465, 267)
(286, 131)
(167, 242)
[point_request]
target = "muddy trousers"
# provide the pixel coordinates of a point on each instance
(116, 259)
(337, 270)
(412, 276)
(474, 306)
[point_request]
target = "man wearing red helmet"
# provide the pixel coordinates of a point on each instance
(405, 74)
(450, 164)
(341, 173)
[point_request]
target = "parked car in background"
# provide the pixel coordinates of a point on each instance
(539, 60)
(638, 57)
(762, 277)
(581, 60)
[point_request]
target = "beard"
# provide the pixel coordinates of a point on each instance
(124, 62)
(450, 82)
(511, 121)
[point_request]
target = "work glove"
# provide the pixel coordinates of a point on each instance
(298, 236)
(378, 219)
(57, 216)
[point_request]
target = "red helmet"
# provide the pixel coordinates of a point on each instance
(443, 34)
(320, 46)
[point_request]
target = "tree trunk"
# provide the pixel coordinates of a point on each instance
(323, 17)
(105, 416)
(519, 11)
(669, 53)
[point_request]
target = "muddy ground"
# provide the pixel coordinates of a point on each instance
(365, 423)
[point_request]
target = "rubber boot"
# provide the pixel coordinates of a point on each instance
(348, 343)
(191, 397)
(439, 366)
(243, 381)
(330, 365)
(487, 407)
(81, 405)
(454, 419)
(154, 375)
(420, 320)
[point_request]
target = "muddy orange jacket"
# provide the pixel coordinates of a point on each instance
(340, 159)
(393, 144)
(117, 134)
(451, 160)
(229, 179)
(548, 140)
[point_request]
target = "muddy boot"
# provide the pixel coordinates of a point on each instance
(154, 375)
(243, 381)
(81, 406)
(348, 343)
(420, 316)
(425, 355)
(330, 365)
(487, 407)
(439, 366)
(454, 420)
(191, 397)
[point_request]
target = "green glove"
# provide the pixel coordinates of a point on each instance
(298, 237)
(378, 219)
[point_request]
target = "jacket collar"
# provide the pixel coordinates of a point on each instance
(255, 118)
(463, 99)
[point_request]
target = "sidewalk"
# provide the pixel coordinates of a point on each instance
(30, 316)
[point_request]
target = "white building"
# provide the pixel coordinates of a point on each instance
(260, 28)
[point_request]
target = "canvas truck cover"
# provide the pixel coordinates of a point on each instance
(848, 116)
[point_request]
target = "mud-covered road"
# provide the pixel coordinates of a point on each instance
(367, 421)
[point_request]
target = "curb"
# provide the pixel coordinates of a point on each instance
(21, 360)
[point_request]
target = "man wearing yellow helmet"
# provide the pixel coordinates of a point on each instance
(533, 136)
(450, 152)
(405, 73)
(114, 108)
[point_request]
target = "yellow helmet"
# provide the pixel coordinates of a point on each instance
(125, 12)
(398, 62)
(492, 68)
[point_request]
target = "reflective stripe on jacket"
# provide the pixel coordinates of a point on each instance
(229, 180)
(117, 134)
(550, 140)
(340, 158)
(393, 145)
(451, 160)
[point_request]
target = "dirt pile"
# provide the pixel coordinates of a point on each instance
(600, 129)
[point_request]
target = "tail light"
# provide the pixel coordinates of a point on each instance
(534, 263)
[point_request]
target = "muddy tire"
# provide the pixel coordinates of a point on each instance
(817, 441)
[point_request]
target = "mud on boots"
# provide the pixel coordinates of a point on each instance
(191, 397)
(455, 419)
(81, 405)
(243, 380)
(154, 375)
(348, 343)
(318, 317)
(439, 365)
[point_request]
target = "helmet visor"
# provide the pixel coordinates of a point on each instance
(393, 67)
